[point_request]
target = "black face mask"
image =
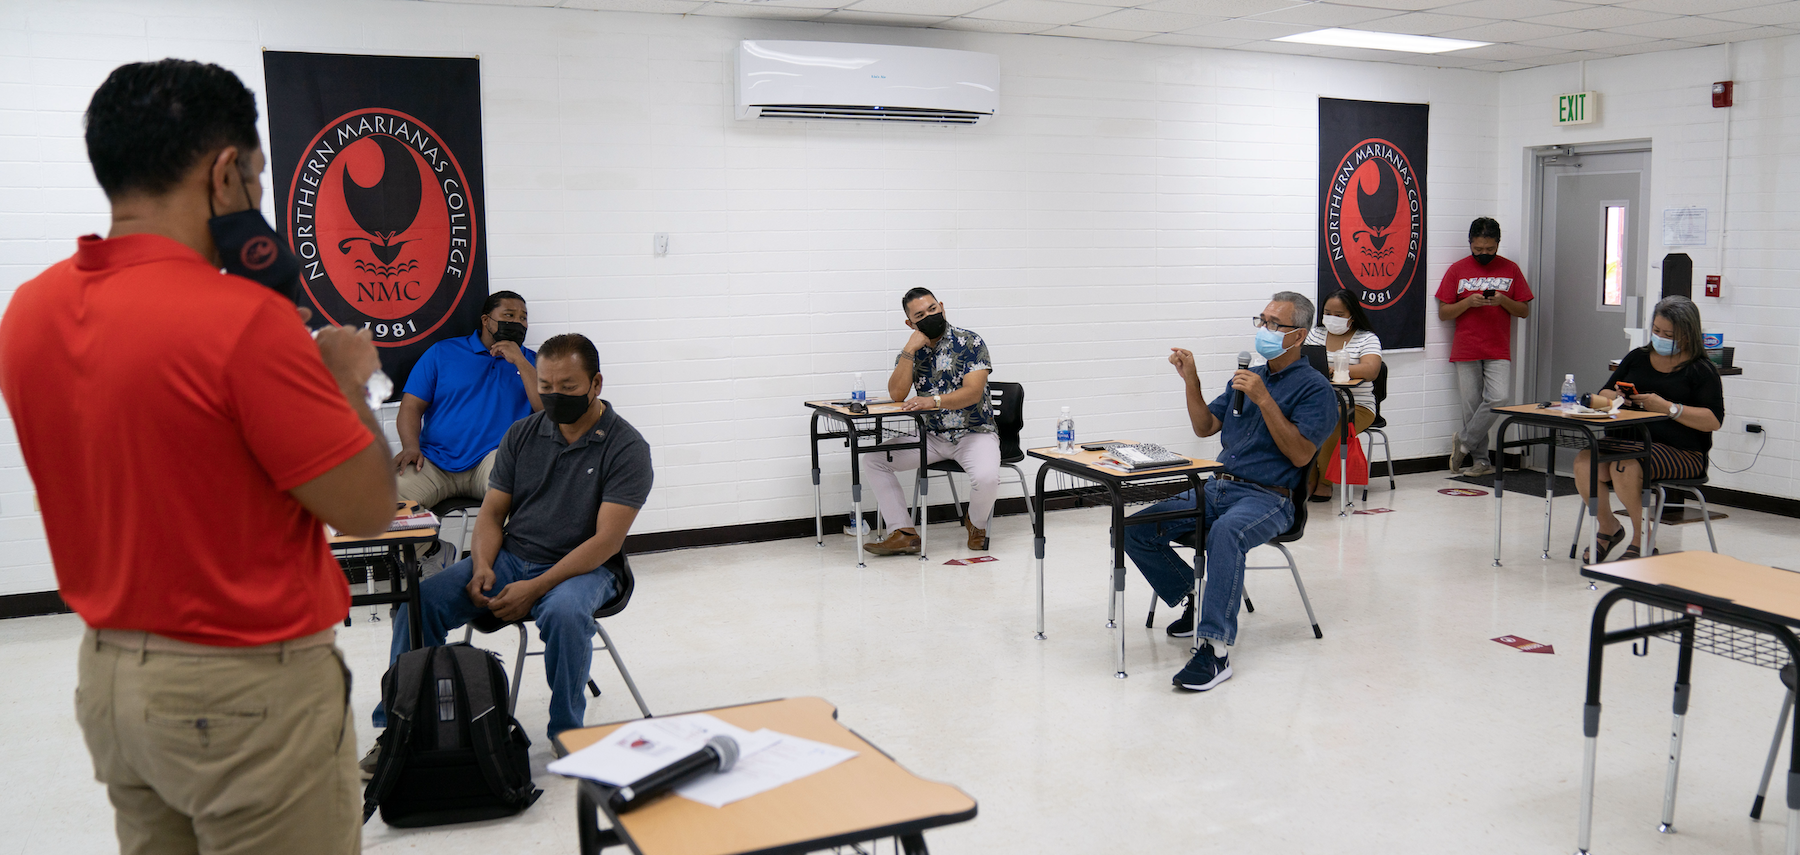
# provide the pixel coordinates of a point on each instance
(512, 331)
(933, 326)
(248, 247)
(1482, 258)
(564, 409)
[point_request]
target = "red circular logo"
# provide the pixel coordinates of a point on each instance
(258, 252)
(380, 215)
(1375, 223)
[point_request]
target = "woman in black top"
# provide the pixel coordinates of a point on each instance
(1672, 375)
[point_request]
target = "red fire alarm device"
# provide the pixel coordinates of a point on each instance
(1712, 286)
(1722, 93)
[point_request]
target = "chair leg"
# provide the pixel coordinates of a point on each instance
(1150, 619)
(1294, 568)
(512, 700)
(468, 633)
(1580, 523)
(1387, 453)
(1024, 487)
(1706, 517)
(955, 499)
(623, 671)
(1787, 706)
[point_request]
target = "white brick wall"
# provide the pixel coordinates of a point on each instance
(1119, 181)
(1665, 98)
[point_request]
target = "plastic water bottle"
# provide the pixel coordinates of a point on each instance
(858, 392)
(1568, 393)
(378, 387)
(1065, 433)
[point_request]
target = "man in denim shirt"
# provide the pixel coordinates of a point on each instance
(948, 367)
(1287, 409)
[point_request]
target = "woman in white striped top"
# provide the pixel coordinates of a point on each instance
(1343, 326)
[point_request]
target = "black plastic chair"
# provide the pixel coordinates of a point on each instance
(1787, 706)
(1008, 401)
(1294, 532)
(465, 510)
(486, 622)
(1656, 495)
(1374, 431)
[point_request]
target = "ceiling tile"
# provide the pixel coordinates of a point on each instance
(1401, 5)
(780, 4)
(1779, 14)
(1250, 28)
(1508, 31)
(1749, 35)
(980, 25)
(1502, 66)
(1186, 40)
(1692, 7)
(1678, 28)
(1156, 22)
(676, 7)
(942, 8)
(1323, 15)
(1098, 33)
(1223, 8)
(1508, 52)
(1421, 24)
(1041, 11)
(1599, 18)
(881, 19)
(746, 10)
(1509, 10)
(1589, 40)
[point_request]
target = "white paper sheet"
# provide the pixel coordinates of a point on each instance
(642, 747)
(779, 759)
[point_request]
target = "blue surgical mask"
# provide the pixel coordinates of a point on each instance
(1663, 346)
(1268, 343)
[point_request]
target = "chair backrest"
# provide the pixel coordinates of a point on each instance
(1008, 400)
(1380, 387)
(621, 570)
(1317, 356)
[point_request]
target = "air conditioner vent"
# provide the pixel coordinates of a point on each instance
(844, 82)
(839, 112)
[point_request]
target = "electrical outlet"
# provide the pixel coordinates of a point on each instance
(1752, 427)
(661, 244)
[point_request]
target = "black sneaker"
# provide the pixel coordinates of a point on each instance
(1204, 671)
(1183, 627)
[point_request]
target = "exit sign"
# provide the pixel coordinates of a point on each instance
(1577, 108)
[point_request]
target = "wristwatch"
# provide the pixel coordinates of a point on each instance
(938, 400)
(1675, 411)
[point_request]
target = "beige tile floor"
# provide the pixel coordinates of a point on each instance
(1404, 730)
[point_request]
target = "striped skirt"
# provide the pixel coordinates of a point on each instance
(1664, 463)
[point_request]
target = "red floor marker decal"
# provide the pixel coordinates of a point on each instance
(1525, 645)
(979, 559)
(1374, 511)
(1463, 491)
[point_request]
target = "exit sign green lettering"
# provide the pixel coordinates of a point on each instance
(1577, 108)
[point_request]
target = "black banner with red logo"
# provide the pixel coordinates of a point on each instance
(376, 162)
(1372, 212)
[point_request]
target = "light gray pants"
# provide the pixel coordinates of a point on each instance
(979, 454)
(1483, 384)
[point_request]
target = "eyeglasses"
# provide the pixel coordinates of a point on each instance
(1265, 323)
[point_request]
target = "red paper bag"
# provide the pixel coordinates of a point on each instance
(1359, 463)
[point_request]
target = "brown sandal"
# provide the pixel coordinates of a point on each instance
(1607, 542)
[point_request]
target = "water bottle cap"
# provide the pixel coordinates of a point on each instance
(1568, 376)
(1065, 409)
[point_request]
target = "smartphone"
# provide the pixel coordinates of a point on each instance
(1626, 388)
(1096, 446)
(1489, 293)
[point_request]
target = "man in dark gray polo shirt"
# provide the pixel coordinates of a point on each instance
(568, 481)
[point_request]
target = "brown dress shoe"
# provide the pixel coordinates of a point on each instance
(897, 543)
(978, 538)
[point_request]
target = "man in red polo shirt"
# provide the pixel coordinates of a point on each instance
(1482, 293)
(186, 437)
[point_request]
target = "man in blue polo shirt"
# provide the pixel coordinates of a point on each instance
(461, 397)
(1287, 408)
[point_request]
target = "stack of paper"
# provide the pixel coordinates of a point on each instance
(766, 759)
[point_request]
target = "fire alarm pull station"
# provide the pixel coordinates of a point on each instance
(1722, 93)
(1712, 286)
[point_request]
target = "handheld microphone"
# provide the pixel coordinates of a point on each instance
(1237, 397)
(718, 755)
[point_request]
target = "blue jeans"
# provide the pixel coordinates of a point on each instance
(1239, 518)
(564, 617)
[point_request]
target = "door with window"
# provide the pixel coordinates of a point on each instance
(1589, 269)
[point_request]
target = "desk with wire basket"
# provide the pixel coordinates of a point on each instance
(855, 427)
(1116, 489)
(398, 553)
(1582, 433)
(1711, 602)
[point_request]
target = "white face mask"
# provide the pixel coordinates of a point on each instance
(1336, 325)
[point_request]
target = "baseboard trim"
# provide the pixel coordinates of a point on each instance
(49, 603)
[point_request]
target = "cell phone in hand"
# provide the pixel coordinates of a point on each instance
(1489, 293)
(1626, 388)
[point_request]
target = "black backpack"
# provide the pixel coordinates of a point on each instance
(451, 751)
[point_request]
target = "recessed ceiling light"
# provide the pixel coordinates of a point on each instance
(1339, 37)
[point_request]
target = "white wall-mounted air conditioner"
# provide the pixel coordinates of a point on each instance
(835, 81)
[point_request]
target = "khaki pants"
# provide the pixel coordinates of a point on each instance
(222, 750)
(430, 485)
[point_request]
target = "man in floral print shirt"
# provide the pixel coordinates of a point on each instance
(943, 369)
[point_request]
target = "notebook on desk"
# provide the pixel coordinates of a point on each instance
(1143, 455)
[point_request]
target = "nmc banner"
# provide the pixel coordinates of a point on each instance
(1372, 212)
(376, 162)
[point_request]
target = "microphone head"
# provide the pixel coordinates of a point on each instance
(1243, 359)
(727, 749)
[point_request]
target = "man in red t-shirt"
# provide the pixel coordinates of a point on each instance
(1482, 293)
(187, 437)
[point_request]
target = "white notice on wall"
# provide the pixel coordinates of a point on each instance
(1684, 227)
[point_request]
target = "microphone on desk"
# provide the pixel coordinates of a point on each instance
(718, 755)
(1237, 397)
